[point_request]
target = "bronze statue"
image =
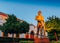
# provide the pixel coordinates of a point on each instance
(40, 25)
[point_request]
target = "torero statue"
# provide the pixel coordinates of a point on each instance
(40, 24)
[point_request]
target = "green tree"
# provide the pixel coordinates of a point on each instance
(13, 25)
(24, 27)
(53, 25)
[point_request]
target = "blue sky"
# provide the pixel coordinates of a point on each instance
(27, 9)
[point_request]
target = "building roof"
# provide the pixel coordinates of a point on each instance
(1, 13)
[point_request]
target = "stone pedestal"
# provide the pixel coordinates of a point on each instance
(41, 40)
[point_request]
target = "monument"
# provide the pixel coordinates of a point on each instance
(41, 29)
(40, 24)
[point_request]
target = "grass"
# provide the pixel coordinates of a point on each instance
(26, 41)
(33, 41)
(55, 41)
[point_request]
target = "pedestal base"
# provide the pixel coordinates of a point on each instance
(41, 40)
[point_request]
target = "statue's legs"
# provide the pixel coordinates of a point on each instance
(37, 32)
(41, 29)
(42, 32)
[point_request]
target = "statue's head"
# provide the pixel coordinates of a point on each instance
(39, 13)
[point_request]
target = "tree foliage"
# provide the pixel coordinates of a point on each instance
(13, 25)
(53, 23)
